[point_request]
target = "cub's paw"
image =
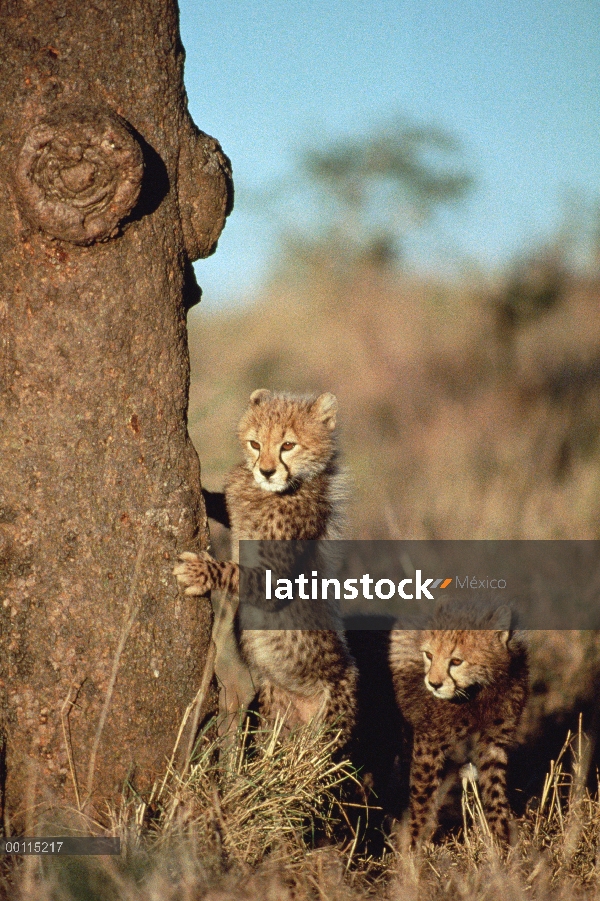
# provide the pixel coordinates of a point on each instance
(196, 572)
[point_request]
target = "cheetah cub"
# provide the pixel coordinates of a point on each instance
(461, 694)
(289, 487)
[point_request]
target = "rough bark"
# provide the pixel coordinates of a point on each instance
(107, 193)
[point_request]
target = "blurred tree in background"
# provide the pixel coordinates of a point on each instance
(354, 201)
(536, 282)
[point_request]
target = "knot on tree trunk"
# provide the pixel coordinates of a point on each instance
(205, 191)
(79, 174)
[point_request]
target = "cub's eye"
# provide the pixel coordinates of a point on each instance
(428, 655)
(287, 445)
(456, 661)
(255, 445)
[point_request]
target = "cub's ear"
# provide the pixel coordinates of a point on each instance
(257, 397)
(325, 407)
(501, 620)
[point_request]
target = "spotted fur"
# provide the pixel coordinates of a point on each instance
(461, 693)
(288, 488)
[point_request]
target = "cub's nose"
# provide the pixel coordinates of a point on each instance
(435, 685)
(267, 473)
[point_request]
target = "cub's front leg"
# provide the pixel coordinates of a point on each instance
(200, 573)
(425, 779)
(492, 760)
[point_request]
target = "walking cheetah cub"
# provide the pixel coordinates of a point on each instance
(289, 487)
(461, 693)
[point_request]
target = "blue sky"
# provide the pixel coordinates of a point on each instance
(516, 81)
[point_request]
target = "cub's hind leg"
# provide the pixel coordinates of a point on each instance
(329, 703)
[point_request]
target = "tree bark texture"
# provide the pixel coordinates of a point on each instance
(108, 192)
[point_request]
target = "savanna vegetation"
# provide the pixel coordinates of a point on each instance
(256, 817)
(469, 409)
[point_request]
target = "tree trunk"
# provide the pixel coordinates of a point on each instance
(108, 192)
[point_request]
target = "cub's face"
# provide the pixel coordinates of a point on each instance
(457, 663)
(287, 440)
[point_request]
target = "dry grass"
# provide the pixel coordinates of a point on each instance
(251, 798)
(243, 824)
(256, 792)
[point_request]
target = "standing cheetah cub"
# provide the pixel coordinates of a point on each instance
(461, 693)
(289, 487)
